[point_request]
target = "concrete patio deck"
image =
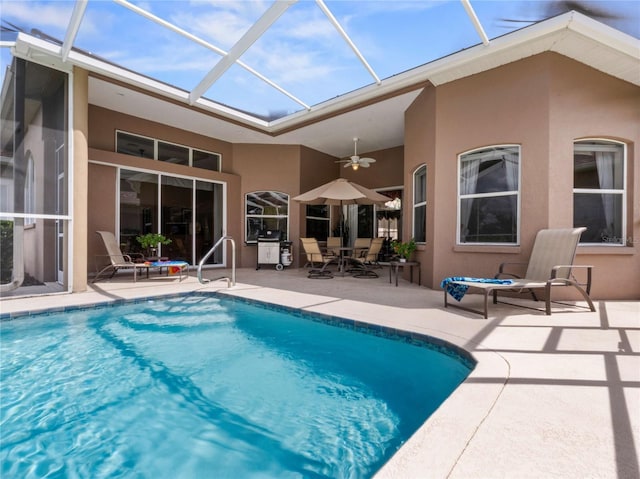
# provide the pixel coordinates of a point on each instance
(551, 396)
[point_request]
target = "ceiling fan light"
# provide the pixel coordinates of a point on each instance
(355, 166)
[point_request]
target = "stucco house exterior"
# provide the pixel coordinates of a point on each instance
(539, 129)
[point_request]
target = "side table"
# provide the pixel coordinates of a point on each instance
(394, 267)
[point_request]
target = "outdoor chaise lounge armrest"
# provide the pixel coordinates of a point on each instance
(570, 267)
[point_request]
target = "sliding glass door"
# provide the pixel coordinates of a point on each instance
(138, 207)
(185, 210)
(176, 221)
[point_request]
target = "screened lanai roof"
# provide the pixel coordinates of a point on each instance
(278, 66)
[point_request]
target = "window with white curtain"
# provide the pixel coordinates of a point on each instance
(489, 195)
(598, 191)
(419, 229)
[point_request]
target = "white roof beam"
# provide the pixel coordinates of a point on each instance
(346, 38)
(476, 22)
(249, 38)
(74, 25)
(200, 41)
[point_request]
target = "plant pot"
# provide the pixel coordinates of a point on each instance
(403, 260)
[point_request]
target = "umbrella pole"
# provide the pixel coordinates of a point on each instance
(341, 225)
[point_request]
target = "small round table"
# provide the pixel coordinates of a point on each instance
(394, 266)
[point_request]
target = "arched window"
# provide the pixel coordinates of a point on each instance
(419, 227)
(489, 195)
(266, 210)
(599, 198)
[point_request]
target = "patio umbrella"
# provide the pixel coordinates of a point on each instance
(341, 192)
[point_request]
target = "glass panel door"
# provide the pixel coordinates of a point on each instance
(177, 218)
(138, 208)
(208, 218)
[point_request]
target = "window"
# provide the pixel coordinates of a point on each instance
(171, 153)
(489, 195)
(419, 232)
(143, 147)
(318, 222)
(598, 191)
(266, 210)
(389, 216)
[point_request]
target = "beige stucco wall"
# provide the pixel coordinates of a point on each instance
(386, 172)
(266, 168)
(419, 149)
(542, 103)
(102, 206)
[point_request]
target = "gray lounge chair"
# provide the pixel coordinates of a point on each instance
(550, 265)
(119, 260)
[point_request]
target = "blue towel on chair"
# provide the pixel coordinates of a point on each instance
(459, 290)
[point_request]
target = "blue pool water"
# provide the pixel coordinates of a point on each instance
(203, 387)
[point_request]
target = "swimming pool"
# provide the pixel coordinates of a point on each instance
(201, 386)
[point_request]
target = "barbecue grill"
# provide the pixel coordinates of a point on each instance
(272, 250)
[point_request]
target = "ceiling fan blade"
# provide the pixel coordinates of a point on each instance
(364, 164)
(343, 161)
(347, 165)
(367, 160)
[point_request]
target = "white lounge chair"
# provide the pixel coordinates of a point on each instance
(550, 265)
(118, 260)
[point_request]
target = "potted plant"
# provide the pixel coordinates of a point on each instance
(150, 242)
(404, 250)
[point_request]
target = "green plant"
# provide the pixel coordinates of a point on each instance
(152, 240)
(404, 249)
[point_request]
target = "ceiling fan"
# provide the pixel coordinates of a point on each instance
(355, 161)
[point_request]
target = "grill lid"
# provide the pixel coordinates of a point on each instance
(269, 235)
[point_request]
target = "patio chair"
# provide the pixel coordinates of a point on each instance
(550, 265)
(119, 260)
(334, 243)
(360, 247)
(316, 256)
(367, 260)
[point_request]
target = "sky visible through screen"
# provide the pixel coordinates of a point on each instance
(301, 52)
